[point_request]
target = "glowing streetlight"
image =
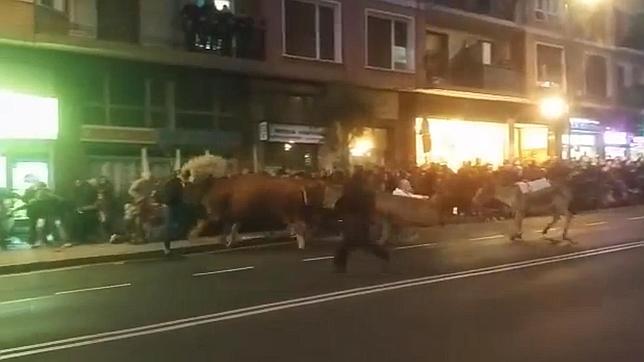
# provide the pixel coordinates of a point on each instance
(553, 107)
(589, 3)
(362, 147)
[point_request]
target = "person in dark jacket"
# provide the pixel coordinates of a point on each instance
(173, 192)
(357, 207)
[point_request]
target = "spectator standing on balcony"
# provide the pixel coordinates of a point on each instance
(225, 27)
(189, 22)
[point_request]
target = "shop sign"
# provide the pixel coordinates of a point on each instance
(292, 133)
(584, 124)
(615, 138)
(119, 135)
(263, 131)
(638, 141)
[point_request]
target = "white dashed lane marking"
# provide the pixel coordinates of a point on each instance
(491, 237)
(94, 289)
(406, 247)
(597, 223)
(215, 272)
(318, 258)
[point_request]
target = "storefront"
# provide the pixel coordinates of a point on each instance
(637, 148)
(453, 127)
(589, 138)
(28, 129)
(369, 149)
(292, 147)
(454, 142)
(583, 140)
(616, 144)
(531, 142)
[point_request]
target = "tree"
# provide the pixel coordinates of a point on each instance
(345, 111)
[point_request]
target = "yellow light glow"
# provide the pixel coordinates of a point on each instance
(419, 124)
(25, 116)
(362, 146)
(589, 3)
(457, 141)
(534, 138)
(553, 107)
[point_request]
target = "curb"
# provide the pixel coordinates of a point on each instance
(148, 254)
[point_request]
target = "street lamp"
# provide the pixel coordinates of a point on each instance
(589, 3)
(553, 108)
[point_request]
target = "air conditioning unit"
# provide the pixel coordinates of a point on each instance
(540, 15)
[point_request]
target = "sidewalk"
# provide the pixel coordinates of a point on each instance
(20, 261)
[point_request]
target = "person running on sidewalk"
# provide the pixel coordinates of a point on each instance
(357, 207)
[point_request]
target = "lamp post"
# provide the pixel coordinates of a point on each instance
(555, 108)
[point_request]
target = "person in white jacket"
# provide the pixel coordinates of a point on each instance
(404, 189)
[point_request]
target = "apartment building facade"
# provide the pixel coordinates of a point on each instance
(398, 82)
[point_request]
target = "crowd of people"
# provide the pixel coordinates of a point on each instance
(596, 183)
(95, 212)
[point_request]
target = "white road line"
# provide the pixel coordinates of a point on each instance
(406, 247)
(318, 258)
(94, 289)
(597, 223)
(24, 300)
(541, 230)
(636, 218)
(215, 272)
(491, 237)
(69, 343)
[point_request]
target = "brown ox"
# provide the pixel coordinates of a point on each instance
(230, 201)
(394, 212)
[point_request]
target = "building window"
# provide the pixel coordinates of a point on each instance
(550, 66)
(484, 6)
(546, 10)
(596, 76)
(312, 29)
(624, 76)
(221, 4)
(390, 42)
(486, 50)
(60, 5)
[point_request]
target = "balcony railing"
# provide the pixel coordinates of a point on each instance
(224, 34)
(469, 71)
(220, 33)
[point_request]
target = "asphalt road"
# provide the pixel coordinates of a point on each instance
(461, 293)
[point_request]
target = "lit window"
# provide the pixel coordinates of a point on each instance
(550, 69)
(312, 29)
(389, 42)
(487, 53)
(546, 10)
(220, 4)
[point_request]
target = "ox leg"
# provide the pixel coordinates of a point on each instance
(555, 219)
(299, 227)
(517, 233)
(567, 221)
(385, 232)
(233, 235)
